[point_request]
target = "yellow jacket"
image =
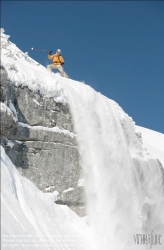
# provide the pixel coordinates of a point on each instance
(56, 58)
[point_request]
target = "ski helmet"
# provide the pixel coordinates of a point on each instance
(58, 51)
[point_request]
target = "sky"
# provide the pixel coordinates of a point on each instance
(116, 47)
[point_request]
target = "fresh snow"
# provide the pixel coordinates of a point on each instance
(68, 190)
(123, 180)
(23, 70)
(154, 142)
(31, 220)
(124, 183)
(6, 109)
(81, 182)
(19, 142)
(36, 102)
(55, 129)
(53, 196)
(9, 143)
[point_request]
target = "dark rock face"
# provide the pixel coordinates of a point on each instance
(37, 134)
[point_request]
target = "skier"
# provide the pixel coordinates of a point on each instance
(58, 61)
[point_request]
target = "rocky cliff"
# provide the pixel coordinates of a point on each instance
(38, 135)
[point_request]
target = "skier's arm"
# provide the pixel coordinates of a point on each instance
(50, 57)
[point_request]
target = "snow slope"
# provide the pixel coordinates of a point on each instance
(154, 142)
(123, 181)
(24, 71)
(31, 220)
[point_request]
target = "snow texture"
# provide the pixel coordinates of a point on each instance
(154, 142)
(123, 181)
(55, 129)
(31, 219)
(23, 70)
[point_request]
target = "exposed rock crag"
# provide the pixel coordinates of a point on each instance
(37, 134)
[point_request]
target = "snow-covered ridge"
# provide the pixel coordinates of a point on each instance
(23, 70)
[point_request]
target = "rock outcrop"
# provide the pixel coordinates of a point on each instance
(38, 136)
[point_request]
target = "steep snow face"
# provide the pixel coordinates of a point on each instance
(31, 220)
(124, 183)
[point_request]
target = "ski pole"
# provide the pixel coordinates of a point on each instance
(39, 49)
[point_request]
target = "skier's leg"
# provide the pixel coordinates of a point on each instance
(65, 74)
(60, 68)
(50, 66)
